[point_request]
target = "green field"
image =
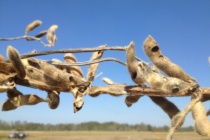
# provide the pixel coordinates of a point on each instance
(107, 135)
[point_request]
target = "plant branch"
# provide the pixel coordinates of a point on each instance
(28, 38)
(116, 48)
(86, 62)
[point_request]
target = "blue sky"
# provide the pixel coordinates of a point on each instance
(182, 29)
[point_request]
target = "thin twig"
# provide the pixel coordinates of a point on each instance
(116, 48)
(24, 37)
(86, 62)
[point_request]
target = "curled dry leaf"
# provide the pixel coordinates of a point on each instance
(14, 58)
(32, 26)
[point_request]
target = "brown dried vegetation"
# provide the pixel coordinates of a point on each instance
(67, 76)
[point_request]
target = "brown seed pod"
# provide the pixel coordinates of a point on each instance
(75, 70)
(63, 68)
(53, 99)
(166, 105)
(13, 93)
(8, 105)
(202, 124)
(78, 104)
(14, 58)
(165, 84)
(152, 50)
(51, 37)
(41, 34)
(32, 26)
(133, 67)
(93, 67)
(21, 100)
(129, 100)
(6, 68)
(108, 81)
(56, 74)
(2, 59)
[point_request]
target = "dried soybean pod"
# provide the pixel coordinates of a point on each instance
(133, 67)
(51, 37)
(32, 26)
(166, 105)
(8, 105)
(93, 67)
(13, 93)
(41, 34)
(202, 124)
(108, 81)
(63, 68)
(14, 58)
(152, 50)
(167, 85)
(129, 100)
(75, 70)
(53, 99)
(2, 59)
(29, 99)
(6, 68)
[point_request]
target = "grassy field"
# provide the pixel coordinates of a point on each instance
(95, 135)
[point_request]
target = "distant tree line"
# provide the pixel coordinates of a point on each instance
(87, 126)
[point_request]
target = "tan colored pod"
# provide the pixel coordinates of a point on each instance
(202, 124)
(93, 67)
(152, 50)
(167, 106)
(13, 93)
(41, 34)
(51, 37)
(14, 58)
(63, 68)
(53, 99)
(129, 100)
(75, 70)
(32, 26)
(2, 59)
(8, 105)
(165, 84)
(133, 67)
